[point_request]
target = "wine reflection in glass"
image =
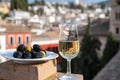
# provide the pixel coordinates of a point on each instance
(68, 47)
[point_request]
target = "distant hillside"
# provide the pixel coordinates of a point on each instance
(104, 2)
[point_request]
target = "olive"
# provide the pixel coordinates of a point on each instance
(33, 53)
(43, 53)
(17, 54)
(36, 47)
(28, 49)
(27, 55)
(39, 55)
(21, 47)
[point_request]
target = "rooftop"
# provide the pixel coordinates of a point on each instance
(49, 35)
(12, 28)
(99, 27)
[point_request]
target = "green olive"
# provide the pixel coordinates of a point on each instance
(28, 49)
(43, 53)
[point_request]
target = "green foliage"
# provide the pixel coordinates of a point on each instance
(38, 2)
(13, 6)
(91, 7)
(63, 65)
(102, 6)
(110, 50)
(19, 4)
(56, 6)
(73, 6)
(42, 2)
(3, 16)
(89, 63)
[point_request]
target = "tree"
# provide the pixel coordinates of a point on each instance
(110, 50)
(19, 4)
(3, 16)
(91, 7)
(39, 2)
(13, 5)
(42, 2)
(72, 5)
(102, 6)
(88, 62)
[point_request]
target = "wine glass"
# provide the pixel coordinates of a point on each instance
(68, 47)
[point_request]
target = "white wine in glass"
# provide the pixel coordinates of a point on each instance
(68, 47)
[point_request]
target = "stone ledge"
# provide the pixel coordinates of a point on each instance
(111, 71)
(43, 71)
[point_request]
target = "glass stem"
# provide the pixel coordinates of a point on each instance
(68, 67)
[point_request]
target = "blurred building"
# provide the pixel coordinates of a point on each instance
(115, 18)
(12, 35)
(18, 17)
(112, 70)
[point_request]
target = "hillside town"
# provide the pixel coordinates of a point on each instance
(36, 28)
(40, 24)
(43, 29)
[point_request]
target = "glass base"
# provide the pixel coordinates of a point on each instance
(68, 77)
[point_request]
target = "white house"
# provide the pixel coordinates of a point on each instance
(2, 38)
(48, 10)
(37, 21)
(18, 17)
(22, 14)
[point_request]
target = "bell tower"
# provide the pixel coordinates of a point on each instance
(115, 18)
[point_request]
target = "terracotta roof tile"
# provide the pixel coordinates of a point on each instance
(49, 35)
(99, 27)
(12, 28)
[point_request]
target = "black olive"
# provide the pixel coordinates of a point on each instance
(36, 47)
(33, 53)
(39, 55)
(17, 54)
(21, 48)
(27, 55)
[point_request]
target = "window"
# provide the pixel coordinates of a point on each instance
(118, 44)
(117, 16)
(117, 30)
(27, 39)
(11, 40)
(118, 2)
(19, 40)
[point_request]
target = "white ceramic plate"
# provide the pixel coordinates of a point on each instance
(9, 54)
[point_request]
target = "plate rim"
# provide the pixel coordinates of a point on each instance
(3, 52)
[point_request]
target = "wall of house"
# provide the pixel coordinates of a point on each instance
(103, 40)
(15, 35)
(2, 42)
(115, 18)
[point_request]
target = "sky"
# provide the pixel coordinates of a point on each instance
(88, 1)
(93, 1)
